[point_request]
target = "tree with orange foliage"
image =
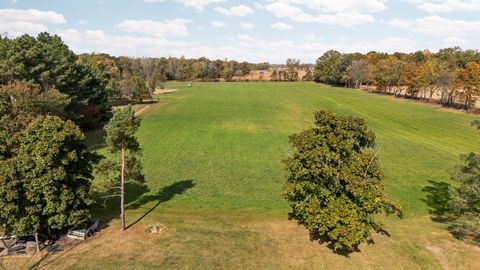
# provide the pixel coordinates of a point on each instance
(467, 84)
(411, 79)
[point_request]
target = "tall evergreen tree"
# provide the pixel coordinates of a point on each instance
(464, 200)
(121, 139)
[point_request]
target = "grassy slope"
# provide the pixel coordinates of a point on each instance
(213, 164)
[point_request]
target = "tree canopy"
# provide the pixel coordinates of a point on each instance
(45, 183)
(46, 62)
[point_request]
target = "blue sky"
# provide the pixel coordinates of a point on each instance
(257, 31)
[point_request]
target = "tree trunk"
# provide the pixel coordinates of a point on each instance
(37, 243)
(122, 191)
(442, 97)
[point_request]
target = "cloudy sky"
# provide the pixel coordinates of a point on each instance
(257, 30)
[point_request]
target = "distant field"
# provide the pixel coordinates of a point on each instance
(264, 75)
(212, 158)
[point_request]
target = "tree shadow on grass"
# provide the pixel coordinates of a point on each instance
(437, 199)
(95, 139)
(108, 209)
(163, 195)
(111, 210)
(325, 240)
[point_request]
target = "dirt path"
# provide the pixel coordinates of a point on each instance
(143, 109)
(164, 91)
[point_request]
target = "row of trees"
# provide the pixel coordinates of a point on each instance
(451, 76)
(289, 72)
(137, 78)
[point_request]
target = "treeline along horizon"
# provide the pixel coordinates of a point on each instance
(451, 76)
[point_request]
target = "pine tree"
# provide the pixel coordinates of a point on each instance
(121, 139)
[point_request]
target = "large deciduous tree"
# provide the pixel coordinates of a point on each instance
(335, 184)
(292, 65)
(325, 69)
(45, 167)
(140, 89)
(468, 83)
(358, 72)
(387, 74)
(45, 183)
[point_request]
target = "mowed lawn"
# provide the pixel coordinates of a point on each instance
(212, 158)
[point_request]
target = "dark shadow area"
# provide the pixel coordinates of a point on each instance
(107, 209)
(95, 139)
(43, 263)
(165, 194)
(324, 240)
(125, 102)
(437, 199)
(428, 100)
(110, 209)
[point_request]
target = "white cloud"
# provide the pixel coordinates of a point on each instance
(18, 28)
(177, 27)
(32, 15)
(259, 6)
(400, 23)
(340, 6)
(281, 26)
(247, 25)
(454, 41)
(439, 6)
(258, 50)
(239, 47)
(30, 21)
(294, 13)
(218, 24)
(199, 4)
(244, 37)
(439, 26)
(240, 10)
(97, 41)
(195, 4)
(83, 22)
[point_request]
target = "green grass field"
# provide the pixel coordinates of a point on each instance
(212, 158)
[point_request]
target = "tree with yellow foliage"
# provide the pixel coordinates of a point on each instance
(467, 84)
